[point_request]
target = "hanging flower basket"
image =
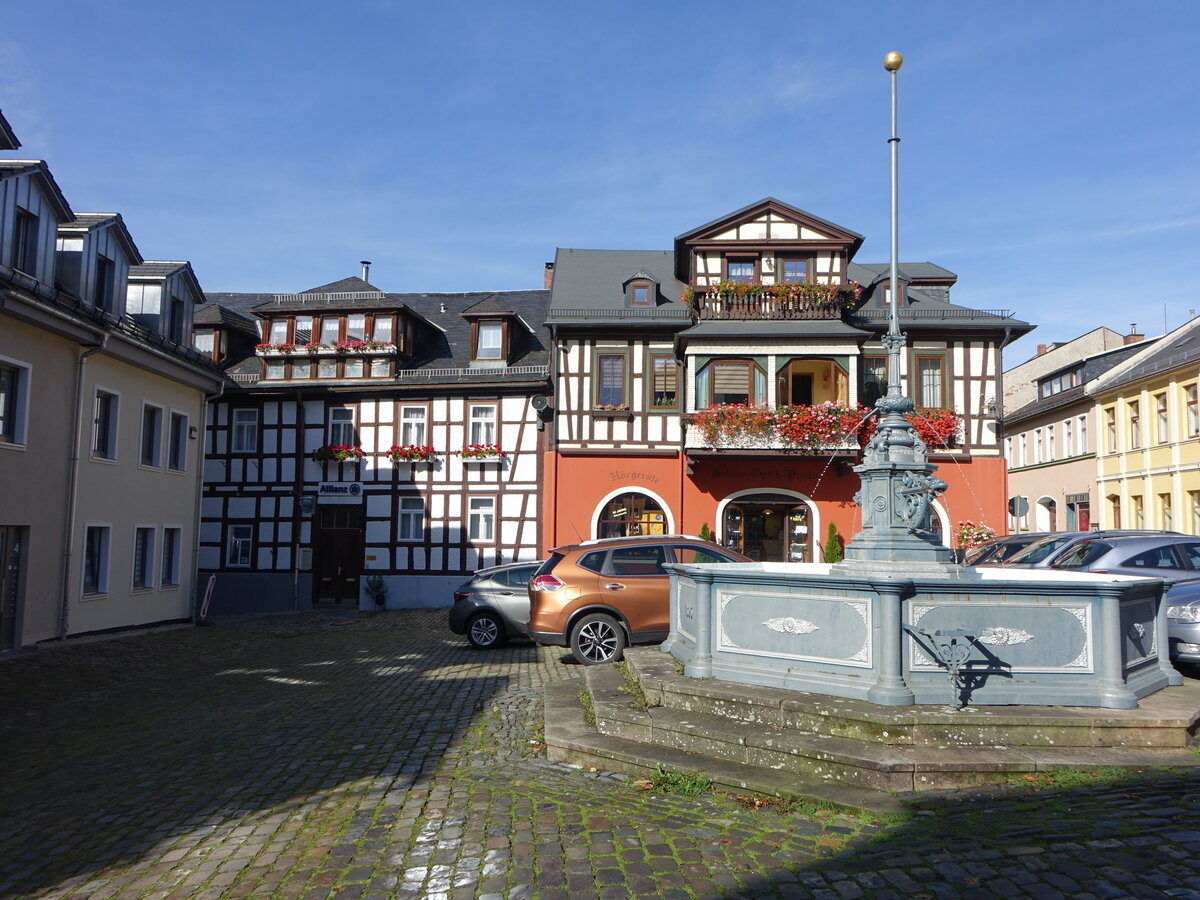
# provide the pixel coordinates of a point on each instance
(481, 451)
(971, 534)
(337, 453)
(411, 453)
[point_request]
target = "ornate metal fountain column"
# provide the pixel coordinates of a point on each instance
(898, 484)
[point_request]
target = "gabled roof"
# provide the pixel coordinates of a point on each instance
(912, 272)
(8, 140)
(161, 270)
(12, 168)
(96, 221)
(218, 314)
(1180, 347)
(763, 205)
(352, 285)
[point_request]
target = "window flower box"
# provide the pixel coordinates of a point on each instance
(611, 411)
(785, 300)
(271, 349)
(411, 453)
(337, 453)
(481, 453)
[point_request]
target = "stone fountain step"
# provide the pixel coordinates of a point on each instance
(857, 748)
(1167, 719)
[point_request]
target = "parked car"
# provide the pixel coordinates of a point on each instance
(494, 605)
(998, 549)
(1183, 621)
(1166, 556)
(598, 596)
(1042, 553)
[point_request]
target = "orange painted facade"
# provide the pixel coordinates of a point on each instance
(578, 486)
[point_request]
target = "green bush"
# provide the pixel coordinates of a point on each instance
(834, 551)
(705, 533)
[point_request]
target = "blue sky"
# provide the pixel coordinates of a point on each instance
(1049, 151)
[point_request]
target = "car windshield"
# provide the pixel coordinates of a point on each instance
(1038, 551)
(1082, 554)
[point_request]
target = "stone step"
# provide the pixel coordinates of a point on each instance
(570, 739)
(1167, 719)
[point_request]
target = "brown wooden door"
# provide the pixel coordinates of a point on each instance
(10, 576)
(338, 548)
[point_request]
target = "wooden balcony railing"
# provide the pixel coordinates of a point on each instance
(741, 300)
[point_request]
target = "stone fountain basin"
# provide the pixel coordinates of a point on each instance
(1037, 638)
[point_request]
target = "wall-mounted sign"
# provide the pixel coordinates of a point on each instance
(340, 492)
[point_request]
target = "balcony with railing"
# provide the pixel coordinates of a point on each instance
(754, 300)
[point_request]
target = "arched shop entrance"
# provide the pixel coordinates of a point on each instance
(631, 513)
(769, 527)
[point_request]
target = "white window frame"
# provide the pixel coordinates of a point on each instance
(242, 423)
(1068, 439)
(356, 327)
(1083, 434)
(105, 547)
(481, 518)
(19, 411)
(174, 416)
(410, 519)
(414, 427)
(169, 564)
(1162, 416)
(279, 331)
(109, 452)
(155, 461)
(239, 534)
(1192, 402)
(149, 559)
(484, 417)
(341, 417)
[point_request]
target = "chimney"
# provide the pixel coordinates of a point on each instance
(1042, 348)
(548, 276)
(366, 270)
(1133, 337)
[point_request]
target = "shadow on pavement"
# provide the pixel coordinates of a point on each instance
(113, 748)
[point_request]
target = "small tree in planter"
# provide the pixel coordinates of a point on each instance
(834, 549)
(705, 533)
(377, 590)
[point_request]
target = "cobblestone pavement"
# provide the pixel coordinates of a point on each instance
(322, 756)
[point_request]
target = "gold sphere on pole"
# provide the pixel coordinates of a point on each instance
(893, 61)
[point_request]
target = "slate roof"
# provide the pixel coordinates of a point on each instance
(216, 314)
(8, 139)
(11, 168)
(90, 221)
(1179, 348)
(444, 342)
(775, 329)
(1092, 368)
(588, 289)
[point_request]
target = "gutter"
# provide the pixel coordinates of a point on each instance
(194, 589)
(73, 488)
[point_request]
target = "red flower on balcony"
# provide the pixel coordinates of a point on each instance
(337, 453)
(480, 451)
(937, 428)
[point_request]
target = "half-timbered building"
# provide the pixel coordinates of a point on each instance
(373, 447)
(723, 385)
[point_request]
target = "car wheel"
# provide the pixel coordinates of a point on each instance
(485, 631)
(597, 639)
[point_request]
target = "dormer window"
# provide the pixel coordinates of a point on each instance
(489, 340)
(24, 242)
(885, 295)
(641, 289)
(105, 283)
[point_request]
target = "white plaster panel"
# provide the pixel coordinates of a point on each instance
(312, 471)
(210, 532)
(283, 558)
(379, 505)
(824, 263)
(283, 531)
(730, 235)
(288, 413)
(314, 411)
(242, 508)
(378, 532)
(270, 441)
(753, 231)
(785, 231)
(287, 471)
(209, 558)
(212, 508)
(264, 560)
(266, 507)
(270, 471)
(382, 560)
(270, 413)
(386, 412)
(266, 532)
(306, 532)
(287, 441)
(508, 533)
(237, 470)
(809, 235)
(221, 443)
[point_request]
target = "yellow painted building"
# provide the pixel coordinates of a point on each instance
(1148, 445)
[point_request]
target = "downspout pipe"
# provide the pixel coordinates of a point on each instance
(197, 518)
(64, 614)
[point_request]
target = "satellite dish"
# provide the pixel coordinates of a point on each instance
(539, 402)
